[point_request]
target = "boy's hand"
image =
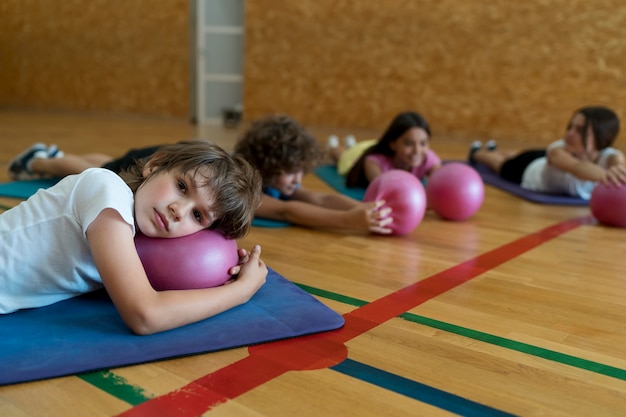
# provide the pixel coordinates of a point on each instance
(243, 258)
(253, 272)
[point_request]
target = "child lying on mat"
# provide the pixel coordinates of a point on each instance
(78, 235)
(48, 161)
(277, 146)
(283, 151)
(404, 145)
(571, 165)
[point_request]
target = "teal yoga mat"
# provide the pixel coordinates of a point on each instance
(24, 189)
(259, 222)
(86, 333)
(329, 174)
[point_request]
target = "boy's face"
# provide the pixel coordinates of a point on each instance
(287, 183)
(169, 204)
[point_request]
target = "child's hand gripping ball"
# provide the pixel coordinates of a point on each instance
(404, 193)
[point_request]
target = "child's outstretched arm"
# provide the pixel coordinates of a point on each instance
(328, 200)
(142, 308)
(370, 216)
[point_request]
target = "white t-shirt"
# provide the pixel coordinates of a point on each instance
(546, 178)
(44, 254)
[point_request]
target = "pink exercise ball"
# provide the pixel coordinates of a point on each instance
(200, 260)
(455, 191)
(404, 193)
(608, 204)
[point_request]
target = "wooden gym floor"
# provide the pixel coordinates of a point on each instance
(520, 310)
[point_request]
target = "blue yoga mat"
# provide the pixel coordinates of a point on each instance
(87, 334)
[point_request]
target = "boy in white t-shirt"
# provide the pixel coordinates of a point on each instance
(83, 228)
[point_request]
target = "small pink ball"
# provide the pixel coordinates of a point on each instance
(455, 191)
(200, 260)
(404, 193)
(608, 204)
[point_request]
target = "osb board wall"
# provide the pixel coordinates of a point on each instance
(97, 55)
(474, 68)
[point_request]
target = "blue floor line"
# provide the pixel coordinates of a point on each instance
(417, 391)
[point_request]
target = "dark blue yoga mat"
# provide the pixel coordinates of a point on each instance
(87, 334)
(493, 179)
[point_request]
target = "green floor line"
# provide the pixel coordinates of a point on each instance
(520, 347)
(332, 296)
(550, 355)
(116, 386)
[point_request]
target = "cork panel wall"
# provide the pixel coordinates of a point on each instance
(113, 56)
(475, 68)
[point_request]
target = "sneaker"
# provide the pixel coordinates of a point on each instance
(475, 146)
(491, 145)
(349, 141)
(19, 167)
(332, 142)
(54, 151)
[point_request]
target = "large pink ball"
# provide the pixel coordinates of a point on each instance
(608, 204)
(455, 191)
(200, 260)
(404, 193)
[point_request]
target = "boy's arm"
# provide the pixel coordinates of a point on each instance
(142, 308)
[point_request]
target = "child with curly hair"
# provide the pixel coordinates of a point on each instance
(283, 152)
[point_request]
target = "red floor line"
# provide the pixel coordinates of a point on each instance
(270, 360)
